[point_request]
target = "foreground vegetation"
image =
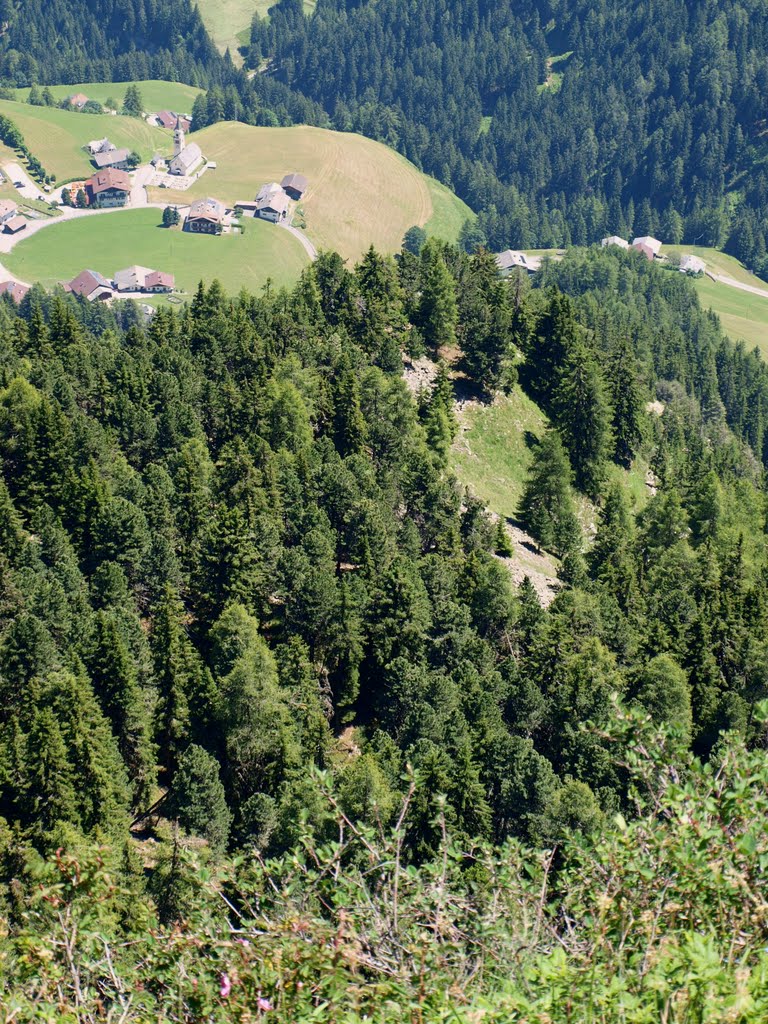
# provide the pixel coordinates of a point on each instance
(269, 698)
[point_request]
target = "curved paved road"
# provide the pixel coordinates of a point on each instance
(298, 233)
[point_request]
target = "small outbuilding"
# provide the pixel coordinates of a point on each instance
(294, 185)
(15, 224)
(8, 210)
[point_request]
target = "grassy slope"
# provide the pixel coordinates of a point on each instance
(493, 452)
(156, 95)
(744, 316)
(360, 192)
(229, 21)
(112, 241)
(56, 137)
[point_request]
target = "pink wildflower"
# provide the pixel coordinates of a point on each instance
(226, 986)
(263, 1004)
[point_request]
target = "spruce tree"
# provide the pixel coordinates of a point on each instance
(437, 311)
(197, 798)
(583, 416)
(546, 506)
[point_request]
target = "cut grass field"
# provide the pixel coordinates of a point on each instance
(155, 94)
(360, 192)
(109, 242)
(229, 21)
(56, 137)
(744, 315)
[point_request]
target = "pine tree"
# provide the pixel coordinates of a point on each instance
(584, 419)
(198, 800)
(626, 402)
(547, 507)
(133, 104)
(437, 312)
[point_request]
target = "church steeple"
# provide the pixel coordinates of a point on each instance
(178, 138)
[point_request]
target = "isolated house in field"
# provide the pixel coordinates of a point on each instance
(77, 99)
(131, 279)
(108, 188)
(295, 185)
(101, 146)
(622, 243)
(650, 243)
(206, 216)
(90, 285)
(112, 158)
(158, 281)
(14, 289)
(15, 224)
(510, 259)
(8, 209)
(692, 265)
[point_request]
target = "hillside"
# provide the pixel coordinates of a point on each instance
(107, 243)
(360, 193)
(56, 137)
(156, 94)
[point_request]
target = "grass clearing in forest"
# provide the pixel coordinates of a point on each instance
(111, 241)
(155, 94)
(361, 193)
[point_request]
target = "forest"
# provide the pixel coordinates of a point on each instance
(260, 661)
(559, 121)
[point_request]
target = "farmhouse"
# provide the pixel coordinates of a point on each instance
(7, 210)
(295, 185)
(90, 285)
(205, 216)
(108, 188)
(78, 99)
(113, 158)
(159, 281)
(166, 119)
(509, 259)
(651, 243)
(101, 146)
(692, 264)
(646, 250)
(14, 289)
(131, 279)
(15, 224)
(615, 240)
(273, 206)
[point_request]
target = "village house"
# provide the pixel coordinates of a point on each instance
(295, 185)
(113, 158)
(272, 205)
(650, 243)
(159, 281)
(508, 260)
(131, 279)
(14, 289)
(78, 99)
(108, 188)
(206, 216)
(90, 285)
(692, 264)
(8, 210)
(100, 146)
(622, 243)
(15, 224)
(646, 250)
(166, 119)
(186, 158)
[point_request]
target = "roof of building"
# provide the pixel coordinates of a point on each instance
(511, 258)
(615, 240)
(187, 158)
(77, 99)
(167, 118)
(16, 290)
(86, 282)
(130, 273)
(7, 206)
(113, 156)
(207, 209)
(692, 262)
(268, 190)
(276, 201)
(295, 181)
(653, 243)
(110, 178)
(646, 250)
(159, 279)
(15, 223)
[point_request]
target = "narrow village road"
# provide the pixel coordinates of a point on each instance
(141, 179)
(298, 233)
(725, 279)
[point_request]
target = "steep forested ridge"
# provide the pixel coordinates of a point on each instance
(652, 123)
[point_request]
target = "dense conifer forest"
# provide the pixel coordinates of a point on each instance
(247, 613)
